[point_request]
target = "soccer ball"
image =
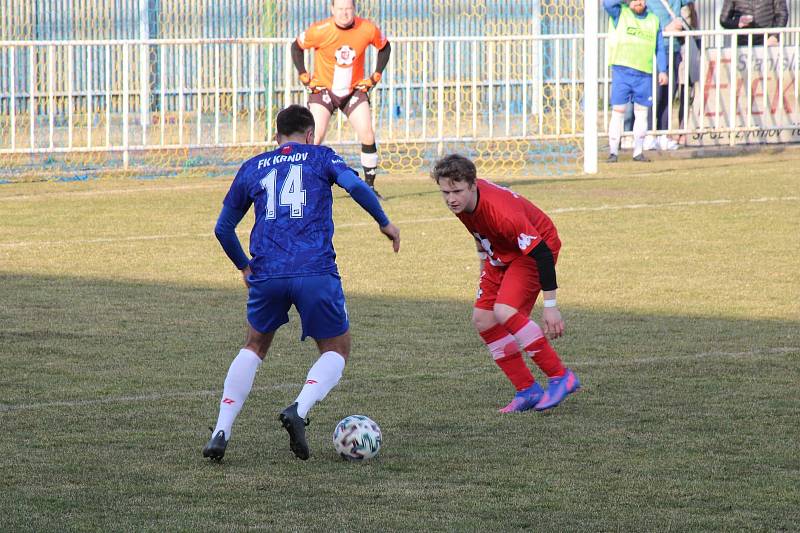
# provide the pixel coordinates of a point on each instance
(357, 437)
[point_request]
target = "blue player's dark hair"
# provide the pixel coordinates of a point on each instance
(294, 119)
(456, 168)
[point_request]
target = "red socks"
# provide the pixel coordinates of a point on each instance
(530, 335)
(506, 354)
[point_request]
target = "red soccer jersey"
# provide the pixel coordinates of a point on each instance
(508, 225)
(339, 56)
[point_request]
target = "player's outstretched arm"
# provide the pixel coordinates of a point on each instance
(365, 197)
(225, 231)
(392, 232)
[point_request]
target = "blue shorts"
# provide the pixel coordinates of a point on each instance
(630, 85)
(318, 299)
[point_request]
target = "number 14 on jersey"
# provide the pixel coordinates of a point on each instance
(292, 193)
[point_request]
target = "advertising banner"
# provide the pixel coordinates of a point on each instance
(766, 100)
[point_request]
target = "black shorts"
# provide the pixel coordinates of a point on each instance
(331, 102)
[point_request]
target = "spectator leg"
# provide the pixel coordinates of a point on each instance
(615, 126)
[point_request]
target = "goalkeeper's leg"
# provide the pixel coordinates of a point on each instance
(361, 120)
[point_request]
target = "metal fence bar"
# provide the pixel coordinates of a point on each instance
(540, 86)
(475, 95)
(89, 105)
(70, 61)
(51, 88)
(684, 94)
(702, 85)
(557, 55)
(162, 101)
(424, 90)
(440, 96)
(390, 81)
(144, 88)
(125, 96)
(13, 106)
(525, 82)
(67, 82)
(199, 87)
(490, 69)
(235, 92)
(270, 90)
(749, 116)
(780, 70)
(108, 94)
(764, 79)
(216, 93)
(287, 75)
(458, 88)
(252, 109)
(606, 84)
(717, 86)
(574, 85)
(181, 83)
(507, 86)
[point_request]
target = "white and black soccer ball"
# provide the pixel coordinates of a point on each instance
(357, 438)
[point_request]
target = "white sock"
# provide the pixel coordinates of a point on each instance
(615, 127)
(238, 383)
(639, 128)
(322, 377)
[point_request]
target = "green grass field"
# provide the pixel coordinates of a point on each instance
(680, 287)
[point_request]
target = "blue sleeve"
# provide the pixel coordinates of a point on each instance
(225, 230)
(661, 52)
(613, 9)
(238, 197)
(363, 195)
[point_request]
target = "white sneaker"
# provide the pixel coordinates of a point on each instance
(666, 143)
(626, 143)
(650, 143)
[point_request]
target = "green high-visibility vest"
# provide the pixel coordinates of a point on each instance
(633, 42)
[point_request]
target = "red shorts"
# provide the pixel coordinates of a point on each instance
(516, 285)
(331, 102)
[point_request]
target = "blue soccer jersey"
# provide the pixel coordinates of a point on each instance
(290, 189)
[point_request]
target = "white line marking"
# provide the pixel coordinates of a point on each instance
(611, 361)
(110, 192)
(770, 352)
(128, 399)
(688, 203)
(103, 240)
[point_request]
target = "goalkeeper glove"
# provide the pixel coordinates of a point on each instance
(311, 84)
(368, 83)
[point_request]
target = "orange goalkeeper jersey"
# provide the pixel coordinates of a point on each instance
(339, 54)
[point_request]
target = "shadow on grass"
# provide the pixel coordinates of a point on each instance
(118, 337)
(107, 388)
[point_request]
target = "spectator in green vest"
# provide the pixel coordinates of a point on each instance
(634, 37)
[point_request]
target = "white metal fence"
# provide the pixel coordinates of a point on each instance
(133, 96)
(169, 96)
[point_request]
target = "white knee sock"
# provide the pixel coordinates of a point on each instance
(322, 377)
(238, 383)
(615, 130)
(639, 128)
